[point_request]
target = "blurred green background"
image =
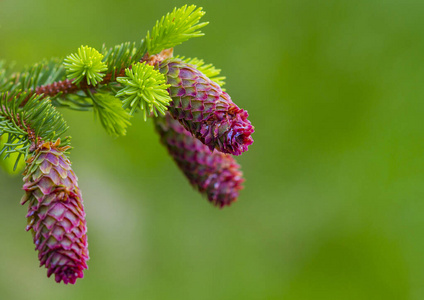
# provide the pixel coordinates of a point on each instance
(333, 203)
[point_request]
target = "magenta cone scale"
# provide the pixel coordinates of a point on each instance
(205, 110)
(56, 215)
(213, 173)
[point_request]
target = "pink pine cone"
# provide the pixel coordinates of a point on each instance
(56, 214)
(215, 174)
(205, 110)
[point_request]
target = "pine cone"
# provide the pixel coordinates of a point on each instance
(56, 215)
(213, 173)
(205, 110)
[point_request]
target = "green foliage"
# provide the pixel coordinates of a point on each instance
(144, 88)
(43, 118)
(86, 63)
(109, 110)
(208, 69)
(28, 120)
(176, 27)
(122, 56)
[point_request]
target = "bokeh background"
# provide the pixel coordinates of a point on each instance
(333, 206)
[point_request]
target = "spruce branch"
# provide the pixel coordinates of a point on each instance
(116, 59)
(49, 77)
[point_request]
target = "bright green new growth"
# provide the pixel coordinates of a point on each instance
(27, 121)
(176, 27)
(109, 110)
(144, 88)
(208, 69)
(87, 63)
